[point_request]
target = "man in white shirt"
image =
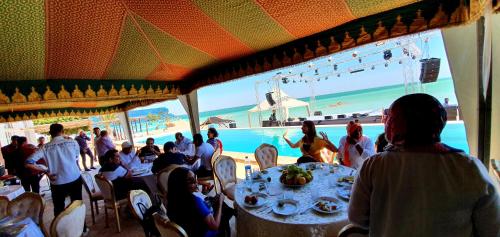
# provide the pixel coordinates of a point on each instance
(103, 144)
(184, 145)
(60, 155)
(203, 157)
(355, 147)
(419, 186)
(128, 156)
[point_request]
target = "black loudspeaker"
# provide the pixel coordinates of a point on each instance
(269, 98)
(341, 116)
(232, 125)
(318, 113)
(328, 117)
(302, 119)
(429, 70)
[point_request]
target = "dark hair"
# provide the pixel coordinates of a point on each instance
(381, 142)
(311, 132)
(55, 129)
(422, 116)
(213, 131)
(103, 133)
(197, 138)
(14, 138)
(181, 204)
(150, 138)
(109, 155)
(21, 140)
(168, 146)
(96, 128)
(178, 134)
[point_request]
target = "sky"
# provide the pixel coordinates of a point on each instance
(243, 91)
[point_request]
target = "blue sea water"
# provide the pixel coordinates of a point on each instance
(368, 100)
(246, 140)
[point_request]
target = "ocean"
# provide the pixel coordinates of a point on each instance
(369, 100)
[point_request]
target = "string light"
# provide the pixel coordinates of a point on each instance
(316, 72)
(335, 67)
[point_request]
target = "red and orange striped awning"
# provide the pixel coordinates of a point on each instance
(110, 55)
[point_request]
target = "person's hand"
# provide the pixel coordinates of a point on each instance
(351, 140)
(52, 177)
(285, 135)
(324, 136)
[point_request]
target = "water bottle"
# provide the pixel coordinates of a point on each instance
(248, 169)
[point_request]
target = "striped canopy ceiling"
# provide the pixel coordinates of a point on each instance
(74, 57)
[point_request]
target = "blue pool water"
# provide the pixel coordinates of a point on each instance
(246, 140)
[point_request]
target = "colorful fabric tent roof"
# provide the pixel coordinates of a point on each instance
(77, 57)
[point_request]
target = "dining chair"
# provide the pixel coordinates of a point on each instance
(30, 205)
(70, 222)
(93, 192)
(162, 178)
(134, 198)
(352, 229)
(4, 202)
(110, 201)
(266, 156)
(225, 171)
(168, 228)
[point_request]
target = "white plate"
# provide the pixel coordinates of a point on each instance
(261, 200)
(329, 201)
(289, 207)
(344, 192)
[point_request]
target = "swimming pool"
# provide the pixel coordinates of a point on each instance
(246, 140)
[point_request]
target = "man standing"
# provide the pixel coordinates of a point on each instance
(355, 148)
(103, 144)
(82, 139)
(8, 153)
(184, 145)
(419, 186)
(150, 151)
(128, 157)
(60, 155)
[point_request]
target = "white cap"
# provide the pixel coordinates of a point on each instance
(126, 144)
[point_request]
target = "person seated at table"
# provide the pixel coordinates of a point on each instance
(354, 148)
(150, 150)
(212, 135)
(201, 163)
(419, 186)
(170, 157)
(184, 145)
(121, 177)
(310, 144)
(128, 157)
(381, 143)
(191, 212)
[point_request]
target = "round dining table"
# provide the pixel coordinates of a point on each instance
(262, 221)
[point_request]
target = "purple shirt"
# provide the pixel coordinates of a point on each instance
(103, 144)
(82, 141)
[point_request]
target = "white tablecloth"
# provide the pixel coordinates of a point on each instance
(10, 227)
(141, 167)
(262, 221)
(11, 192)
